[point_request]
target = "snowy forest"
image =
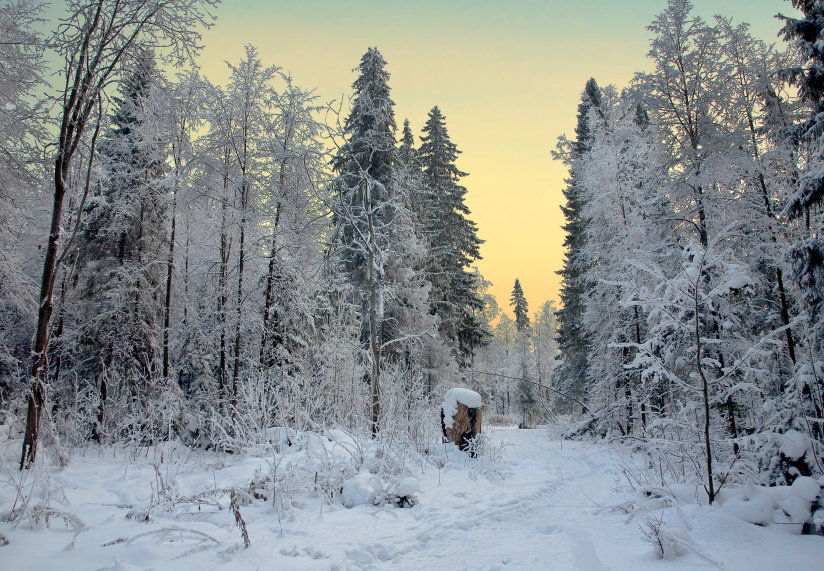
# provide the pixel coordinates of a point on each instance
(217, 260)
(192, 267)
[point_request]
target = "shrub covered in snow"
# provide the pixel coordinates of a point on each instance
(789, 507)
(367, 489)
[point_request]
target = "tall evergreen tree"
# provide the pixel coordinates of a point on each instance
(571, 374)
(407, 153)
(452, 240)
(808, 77)
(119, 281)
(804, 206)
(408, 175)
(364, 164)
(365, 206)
(518, 302)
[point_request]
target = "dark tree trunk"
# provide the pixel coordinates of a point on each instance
(705, 392)
(268, 314)
(167, 303)
(731, 419)
(270, 317)
(37, 396)
(239, 310)
(223, 297)
(785, 313)
(101, 410)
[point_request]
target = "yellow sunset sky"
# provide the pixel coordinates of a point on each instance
(507, 75)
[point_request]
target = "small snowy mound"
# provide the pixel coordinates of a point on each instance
(367, 490)
(403, 493)
(405, 487)
(363, 489)
(789, 507)
(278, 435)
(806, 488)
(458, 395)
(794, 444)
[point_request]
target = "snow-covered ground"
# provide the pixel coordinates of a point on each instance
(531, 502)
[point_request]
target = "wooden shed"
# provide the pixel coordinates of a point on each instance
(461, 418)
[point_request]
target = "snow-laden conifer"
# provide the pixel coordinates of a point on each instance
(571, 374)
(452, 240)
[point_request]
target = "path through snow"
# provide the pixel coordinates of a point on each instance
(546, 504)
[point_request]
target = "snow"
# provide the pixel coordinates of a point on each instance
(806, 488)
(794, 444)
(528, 502)
(363, 489)
(785, 507)
(406, 487)
(458, 395)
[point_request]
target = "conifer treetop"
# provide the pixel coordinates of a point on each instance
(519, 303)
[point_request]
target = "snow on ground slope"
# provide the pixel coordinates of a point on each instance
(538, 504)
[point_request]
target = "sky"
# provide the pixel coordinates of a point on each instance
(506, 74)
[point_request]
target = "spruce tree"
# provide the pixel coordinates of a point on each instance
(571, 374)
(518, 302)
(808, 77)
(407, 154)
(365, 207)
(119, 280)
(408, 175)
(365, 164)
(807, 198)
(452, 240)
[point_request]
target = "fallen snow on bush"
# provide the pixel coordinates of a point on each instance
(333, 501)
(786, 507)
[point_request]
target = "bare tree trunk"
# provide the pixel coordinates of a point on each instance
(239, 309)
(638, 341)
(243, 163)
(785, 313)
(225, 246)
(270, 278)
(98, 433)
(75, 118)
(375, 345)
(705, 391)
(167, 304)
(375, 315)
(779, 275)
(268, 298)
(244, 197)
(64, 287)
(731, 420)
(186, 279)
(37, 396)
(147, 369)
